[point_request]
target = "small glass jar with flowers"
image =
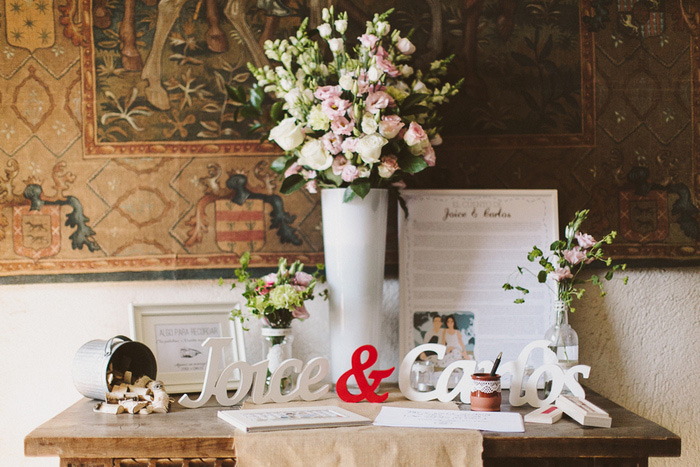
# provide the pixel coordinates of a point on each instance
(564, 266)
(277, 299)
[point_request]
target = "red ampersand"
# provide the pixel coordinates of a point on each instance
(358, 371)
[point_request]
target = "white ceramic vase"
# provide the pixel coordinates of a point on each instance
(354, 239)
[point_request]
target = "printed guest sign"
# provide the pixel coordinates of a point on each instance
(457, 248)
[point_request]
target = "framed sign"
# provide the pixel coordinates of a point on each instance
(175, 332)
(456, 250)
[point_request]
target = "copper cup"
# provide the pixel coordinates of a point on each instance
(486, 392)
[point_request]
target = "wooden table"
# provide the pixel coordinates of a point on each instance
(197, 438)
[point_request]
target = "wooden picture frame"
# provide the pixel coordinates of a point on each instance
(174, 333)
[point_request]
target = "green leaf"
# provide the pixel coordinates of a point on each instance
(237, 94)
(519, 300)
(361, 187)
(292, 184)
(415, 109)
(277, 111)
(256, 96)
(348, 195)
(413, 99)
(542, 277)
(412, 164)
(279, 165)
(328, 174)
(507, 286)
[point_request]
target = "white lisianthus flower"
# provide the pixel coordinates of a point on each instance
(374, 74)
(325, 30)
(292, 97)
(314, 155)
(341, 25)
(369, 147)
(318, 120)
(369, 125)
(336, 45)
(287, 134)
(346, 81)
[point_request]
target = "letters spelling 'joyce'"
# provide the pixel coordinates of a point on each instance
(254, 376)
(514, 368)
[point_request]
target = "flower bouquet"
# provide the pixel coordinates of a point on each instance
(277, 299)
(356, 117)
(568, 259)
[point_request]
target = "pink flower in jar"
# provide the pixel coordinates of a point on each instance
(574, 255)
(300, 313)
(349, 173)
(560, 274)
(388, 166)
(270, 279)
(585, 240)
(335, 107)
(390, 125)
(342, 126)
(349, 144)
(303, 278)
(368, 40)
(378, 100)
(327, 92)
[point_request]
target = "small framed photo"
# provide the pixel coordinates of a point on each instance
(175, 332)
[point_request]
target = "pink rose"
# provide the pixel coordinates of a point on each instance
(368, 40)
(405, 46)
(560, 274)
(311, 186)
(349, 173)
(338, 163)
(429, 156)
(332, 142)
(585, 240)
(293, 169)
(349, 144)
(342, 126)
(303, 278)
(378, 100)
(415, 134)
(574, 255)
(326, 92)
(300, 313)
(388, 166)
(363, 83)
(390, 125)
(335, 107)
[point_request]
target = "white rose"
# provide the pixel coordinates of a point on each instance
(325, 30)
(336, 45)
(287, 134)
(369, 148)
(346, 81)
(314, 156)
(369, 124)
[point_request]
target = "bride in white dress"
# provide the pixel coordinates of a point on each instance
(452, 338)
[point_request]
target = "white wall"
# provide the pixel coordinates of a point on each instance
(641, 341)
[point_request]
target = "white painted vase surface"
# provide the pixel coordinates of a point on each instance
(354, 238)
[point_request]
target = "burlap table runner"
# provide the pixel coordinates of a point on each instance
(360, 446)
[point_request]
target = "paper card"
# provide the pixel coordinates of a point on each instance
(451, 419)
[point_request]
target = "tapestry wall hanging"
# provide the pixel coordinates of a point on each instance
(122, 151)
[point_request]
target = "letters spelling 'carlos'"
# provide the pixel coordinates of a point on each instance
(515, 368)
(254, 376)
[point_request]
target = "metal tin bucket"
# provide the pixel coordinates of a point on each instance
(92, 361)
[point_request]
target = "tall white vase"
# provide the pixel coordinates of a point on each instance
(354, 239)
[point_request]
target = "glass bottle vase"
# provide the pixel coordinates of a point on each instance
(277, 347)
(563, 339)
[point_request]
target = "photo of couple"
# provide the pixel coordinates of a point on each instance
(454, 330)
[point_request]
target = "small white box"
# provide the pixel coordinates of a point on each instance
(547, 414)
(584, 412)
